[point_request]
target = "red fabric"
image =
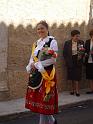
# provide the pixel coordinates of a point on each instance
(35, 100)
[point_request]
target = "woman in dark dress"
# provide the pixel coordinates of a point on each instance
(89, 61)
(73, 54)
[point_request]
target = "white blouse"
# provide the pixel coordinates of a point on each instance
(90, 57)
(41, 64)
(74, 48)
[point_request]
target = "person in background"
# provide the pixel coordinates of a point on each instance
(89, 61)
(73, 52)
(44, 98)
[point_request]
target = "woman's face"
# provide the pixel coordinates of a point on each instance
(42, 31)
(76, 37)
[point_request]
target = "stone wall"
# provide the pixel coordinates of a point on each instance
(3, 61)
(19, 50)
(20, 41)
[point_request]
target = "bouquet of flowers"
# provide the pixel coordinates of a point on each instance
(47, 53)
(81, 51)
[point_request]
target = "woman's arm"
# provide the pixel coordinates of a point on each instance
(48, 62)
(28, 67)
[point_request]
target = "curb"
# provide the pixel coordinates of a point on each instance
(70, 105)
(28, 113)
(15, 115)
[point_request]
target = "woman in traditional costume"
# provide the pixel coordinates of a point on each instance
(42, 95)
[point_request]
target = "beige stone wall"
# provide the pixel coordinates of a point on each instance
(3, 61)
(20, 43)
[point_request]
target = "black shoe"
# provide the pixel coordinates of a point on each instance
(77, 94)
(89, 92)
(55, 121)
(71, 93)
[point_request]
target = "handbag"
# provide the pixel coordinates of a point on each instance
(35, 79)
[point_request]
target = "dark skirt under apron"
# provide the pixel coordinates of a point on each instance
(75, 73)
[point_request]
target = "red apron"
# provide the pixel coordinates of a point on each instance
(35, 99)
